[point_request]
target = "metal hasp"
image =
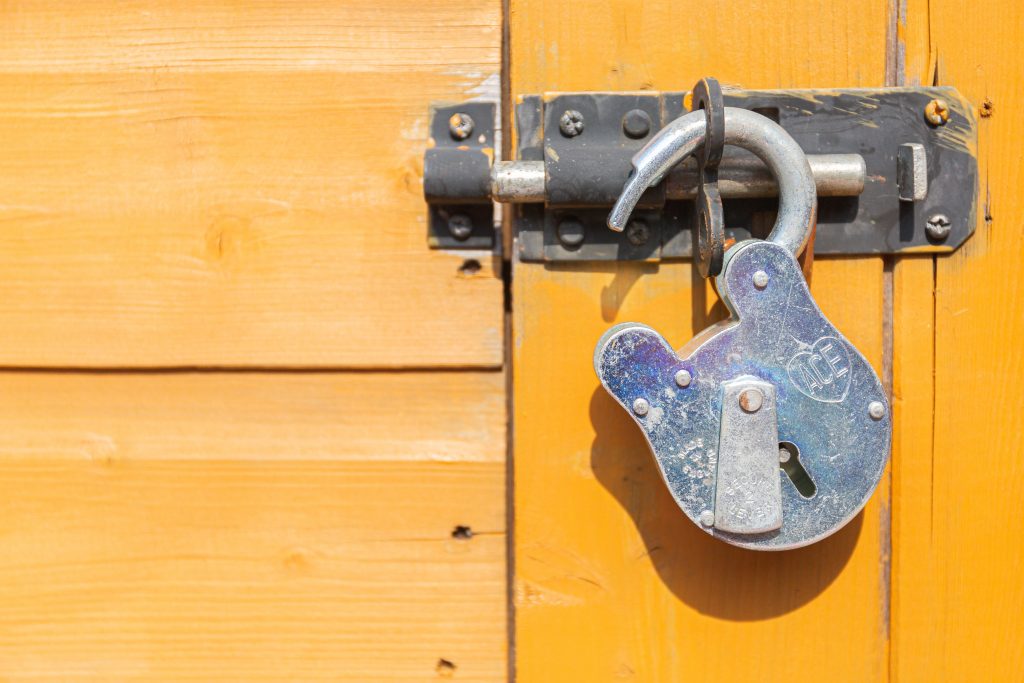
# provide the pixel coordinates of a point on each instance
(830, 408)
(890, 177)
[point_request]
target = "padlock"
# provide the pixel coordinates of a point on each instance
(770, 429)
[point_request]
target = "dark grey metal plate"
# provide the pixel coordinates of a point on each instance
(457, 173)
(589, 170)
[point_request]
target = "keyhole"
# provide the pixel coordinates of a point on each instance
(789, 461)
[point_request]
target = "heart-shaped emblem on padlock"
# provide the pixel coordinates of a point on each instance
(822, 371)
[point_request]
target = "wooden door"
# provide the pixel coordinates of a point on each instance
(610, 581)
(251, 428)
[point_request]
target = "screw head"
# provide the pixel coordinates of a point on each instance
(641, 406)
(683, 378)
(570, 233)
(936, 112)
(876, 409)
(460, 126)
(784, 456)
(760, 279)
(751, 400)
(707, 518)
(637, 233)
(571, 123)
(460, 226)
(938, 227)
(636, 124)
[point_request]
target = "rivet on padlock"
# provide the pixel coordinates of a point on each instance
(770, 429)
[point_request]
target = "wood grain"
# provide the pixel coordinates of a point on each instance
(250, 526)
(611, 581)
(960, 596)
(206, 184)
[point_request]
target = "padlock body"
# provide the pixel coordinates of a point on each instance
(829, 405)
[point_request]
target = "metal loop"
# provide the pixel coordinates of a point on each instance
(768, 140)
(707, 95)
(709, 224)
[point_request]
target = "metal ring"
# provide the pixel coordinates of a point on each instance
(707, 95)
(798, 200)
(709, 228)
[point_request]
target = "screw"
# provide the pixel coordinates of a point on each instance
(876, 409)
(784, 455)
(571, 123)
(641, 406)
(986, 108)
(751, 400)
(637, 233)
(636, 124)
(936, 112)
(938, 227)
(707, 518)
(460, 126)
(460, 226)
(570, 233)
(683, 378)
(760, 279)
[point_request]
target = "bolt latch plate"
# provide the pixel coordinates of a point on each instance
(916, 188)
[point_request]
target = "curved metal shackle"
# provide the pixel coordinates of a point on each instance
(798, 199)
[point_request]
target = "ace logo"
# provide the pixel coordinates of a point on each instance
(822, 371)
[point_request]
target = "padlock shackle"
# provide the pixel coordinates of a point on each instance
(798, 200)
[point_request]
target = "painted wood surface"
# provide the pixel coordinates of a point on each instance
(252, 526)
(611, 581)
(226, 184)
(204, 207)
(958, 531)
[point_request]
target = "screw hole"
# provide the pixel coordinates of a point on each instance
(789, 461)
(469, 267)
(445, 668)
(462, 533)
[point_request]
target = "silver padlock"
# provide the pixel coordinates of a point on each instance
(770, 429)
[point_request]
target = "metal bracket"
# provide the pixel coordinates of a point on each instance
(895, 169)
(457, 176)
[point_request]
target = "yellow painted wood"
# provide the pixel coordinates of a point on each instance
(916, 569)
(611, 581)
(247, 526)
(959, 596)
(228, 184)
(222, 184)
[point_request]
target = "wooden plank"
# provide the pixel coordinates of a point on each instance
(611, 581)
(960, 594)
(201, 185)
(251, 526)
(915, 566)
